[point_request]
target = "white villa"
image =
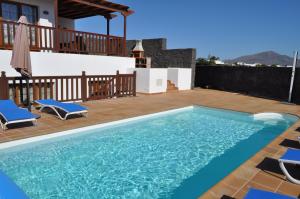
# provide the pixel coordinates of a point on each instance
(57, 49)
(56, 46)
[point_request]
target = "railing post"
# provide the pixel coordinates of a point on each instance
(56, 49)
(83, 86)
(134, 83)
(1, 33)
(108, 45)
(118, 84)
(4, 87)
(56, 40)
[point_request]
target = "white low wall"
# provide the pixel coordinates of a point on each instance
(150, 80)
(51, 64)
(181, 77)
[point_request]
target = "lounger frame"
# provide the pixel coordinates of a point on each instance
(4, 125)
(54, 108)
(285, 171)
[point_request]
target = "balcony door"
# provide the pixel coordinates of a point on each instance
(12, 11)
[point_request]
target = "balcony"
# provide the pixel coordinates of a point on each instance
(50, 39)
(55, 38)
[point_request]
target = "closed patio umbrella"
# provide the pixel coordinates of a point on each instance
(21, 54)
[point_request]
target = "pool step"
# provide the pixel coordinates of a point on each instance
(171, 87)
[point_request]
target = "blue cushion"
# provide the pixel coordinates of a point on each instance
(7, 104)
(291, 155)
(9, 190)
(260, 194)
(16, 114)
(68, 107)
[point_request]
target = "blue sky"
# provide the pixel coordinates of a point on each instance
(225, 28)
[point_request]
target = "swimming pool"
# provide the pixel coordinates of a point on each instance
(169, 155)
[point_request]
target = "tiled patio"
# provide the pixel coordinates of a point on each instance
(261, 171)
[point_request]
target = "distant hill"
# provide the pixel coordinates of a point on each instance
(268, 58)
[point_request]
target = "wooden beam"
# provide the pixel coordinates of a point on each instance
(56, 13)
(96, 5)
(110, 16)
(125, 35)
(75, 10)
(56, 34)
(82, 13)
(67, 7)
(127, 13)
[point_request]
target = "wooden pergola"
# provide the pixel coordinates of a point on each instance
(76, 9)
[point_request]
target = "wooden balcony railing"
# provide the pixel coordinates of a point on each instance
(43, 38)
(68, 88)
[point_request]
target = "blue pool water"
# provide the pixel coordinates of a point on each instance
(175, 155)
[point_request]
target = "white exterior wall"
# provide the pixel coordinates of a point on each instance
(181, 77)
(66, 23)
(51, 64)
(150, 80)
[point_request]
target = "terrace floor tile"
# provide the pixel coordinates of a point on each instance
(289, 189)
(266, 180)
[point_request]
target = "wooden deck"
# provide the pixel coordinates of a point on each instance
(261, 171)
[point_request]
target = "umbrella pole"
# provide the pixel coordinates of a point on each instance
(28, 95)
(293, 77)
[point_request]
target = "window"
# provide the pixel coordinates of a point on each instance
(13, 11)
(30, 13)
(9, 11)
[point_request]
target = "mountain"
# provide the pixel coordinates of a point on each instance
(268, 58)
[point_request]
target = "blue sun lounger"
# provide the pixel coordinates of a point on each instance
(67, 108)
(291, 156)
(12, 114)
(260, 194)
(8, 189)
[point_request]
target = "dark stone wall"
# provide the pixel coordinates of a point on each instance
(166, 58)
(267, 82)
(296, 87)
